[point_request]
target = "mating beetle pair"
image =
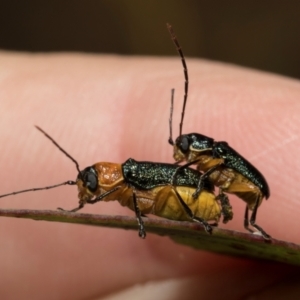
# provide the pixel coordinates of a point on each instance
(172, 191)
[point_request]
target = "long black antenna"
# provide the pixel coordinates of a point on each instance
(185, 71)
(69, 182)
(59, 147)
(171, 142)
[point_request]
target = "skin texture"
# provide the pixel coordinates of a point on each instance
(110, 108)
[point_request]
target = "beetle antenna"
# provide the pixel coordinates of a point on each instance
(59, 147)
(69, 182)
(171, 142)
(185, 71)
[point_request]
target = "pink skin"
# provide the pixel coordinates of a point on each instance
(110, 108)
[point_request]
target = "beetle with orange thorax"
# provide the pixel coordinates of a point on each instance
(145, 187)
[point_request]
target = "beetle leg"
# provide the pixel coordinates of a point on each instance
(188, 211)
(142, 232)
(226, 207)
(173, 181)
(252, 222)
(203, 177)
(80, 206)
(246, 220)
(100, 197)
(83, 202)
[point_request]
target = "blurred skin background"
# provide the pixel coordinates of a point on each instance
(262, 35)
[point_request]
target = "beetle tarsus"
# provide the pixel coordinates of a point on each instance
(253, 224)
(207, 227)
(70, 210)
(142, 232)
(261, 231)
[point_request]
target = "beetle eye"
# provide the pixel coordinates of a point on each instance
(90, 179)
(91, 182)
(184, 144)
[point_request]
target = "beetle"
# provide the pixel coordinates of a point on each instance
(221, 164)
(146, 188)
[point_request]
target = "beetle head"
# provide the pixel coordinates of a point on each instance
(182, 147)
(87, 182)
(189, 145)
